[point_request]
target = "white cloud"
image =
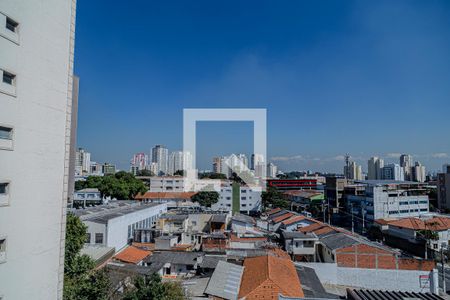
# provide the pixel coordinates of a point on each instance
(287, 158)
(393, 155)
(440, 155)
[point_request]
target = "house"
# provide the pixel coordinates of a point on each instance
(170, 264)
(267, 277)
(413, 230)
(87, 197)
(295, 222)
(218, 222)
(173, 199)
(242, 224)
(166, 242)
(216, 242)
(301, 246)
(304, 197)
(246, 241)
(132, 255)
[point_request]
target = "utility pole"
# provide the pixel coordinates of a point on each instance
(353, 224)
(363, 214)
(444, 288)
(323, 210)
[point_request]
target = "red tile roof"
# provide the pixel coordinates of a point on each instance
(165, 195)
(293, 219)
(132, 255)
(265, 277)
(273, 211)
(435, 223)
(282, 217)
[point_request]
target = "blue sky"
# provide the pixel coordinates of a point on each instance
(363, 77)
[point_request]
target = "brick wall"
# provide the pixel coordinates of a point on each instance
(369, 257)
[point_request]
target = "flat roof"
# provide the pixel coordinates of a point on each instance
(102, 214)
(388, 182)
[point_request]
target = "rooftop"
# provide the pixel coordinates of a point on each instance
(268, 276)
(132, 255)
(165, 195)
(103, 213)
(355, 294)
(225, 281)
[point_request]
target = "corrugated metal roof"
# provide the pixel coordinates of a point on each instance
(225, 281)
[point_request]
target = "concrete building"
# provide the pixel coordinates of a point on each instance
(334, 190)
(406, 162)
(418, 172)
(353, 171)
(237, 198)
(389, 199)
(139, 162)
(443, 188)
(36, 95)
(393, 172)
(272, 170)
(256, 160)
(108, 169)
(82, 162)
(114, 225)
(160, 156)
(375, 166)
(177, 159)
(87, 197)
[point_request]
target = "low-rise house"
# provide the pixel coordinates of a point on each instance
(417, 230)
(305, 197)
(246, 241)
(87, 197)
(295, 222)
(268, 277)
(301, 246)
(170, 264)
(216, 242)
(243, 224)
(166, 242)
(173, 199)
(132, 255)
(218, 222)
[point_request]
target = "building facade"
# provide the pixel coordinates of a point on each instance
(36, 94)
(160, 156)
(443, 188)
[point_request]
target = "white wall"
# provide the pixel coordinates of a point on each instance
(117, 236)
(37, 166)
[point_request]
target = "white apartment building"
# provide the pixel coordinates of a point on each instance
(272, 170)
(36, 87)
(176, 159)
(390, 199)
(113, 226)
(233, 197)
(393, 172)
(179, 183)
(160, 156)
(82, 162)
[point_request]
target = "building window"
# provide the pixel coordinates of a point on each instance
(4, 188)
(99, 238)
(11, 24)
(9, 78)
(2, 250)
(6, 133)
(88, 238)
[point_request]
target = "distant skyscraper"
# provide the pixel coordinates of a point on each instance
(139, 162)
(393, 172)
(419, 174)
(406, 162)
(354, 171)
(375, 166)
(160, 156)
(256, 159)
(272, 170)
(217, 164)
(443, 187)
(82, 162)
(175, 162)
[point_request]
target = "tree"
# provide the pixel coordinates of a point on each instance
(212, 175)
(81, 281)
(145, 173)
(272, 197)
(152, 288)
(179, 173)
(121, 186)
(206, 198)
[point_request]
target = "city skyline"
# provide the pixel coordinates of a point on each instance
(375, 71)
